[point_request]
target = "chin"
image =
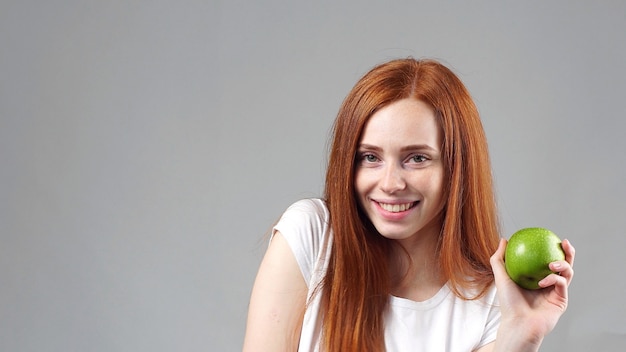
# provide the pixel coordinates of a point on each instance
(394, 234)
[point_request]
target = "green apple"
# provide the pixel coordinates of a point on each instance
(528, 253)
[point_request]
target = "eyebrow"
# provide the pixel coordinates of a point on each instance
(403, 149)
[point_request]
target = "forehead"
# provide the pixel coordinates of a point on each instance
(407, 121)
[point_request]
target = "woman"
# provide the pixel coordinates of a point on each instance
(403, 253)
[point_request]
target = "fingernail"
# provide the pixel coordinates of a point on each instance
(556, 266)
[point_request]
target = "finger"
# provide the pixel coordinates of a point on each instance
(570, 251)
(497, 261)
(563, 268)
(560, 287)
(498, 255)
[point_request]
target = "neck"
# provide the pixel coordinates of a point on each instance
(415, 266)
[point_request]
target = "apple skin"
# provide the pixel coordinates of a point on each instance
(528, 253)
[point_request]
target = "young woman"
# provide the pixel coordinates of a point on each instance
(403, 253)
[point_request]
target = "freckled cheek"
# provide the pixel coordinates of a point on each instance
(429, 183)
(364, 181)
(436, 187)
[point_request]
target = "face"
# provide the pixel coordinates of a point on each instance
(399, 177)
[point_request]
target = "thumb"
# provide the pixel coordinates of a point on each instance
(497, 263)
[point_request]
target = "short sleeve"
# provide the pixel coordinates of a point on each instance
(304, 225)
(493, 318)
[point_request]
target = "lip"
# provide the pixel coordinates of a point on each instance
(394, 215)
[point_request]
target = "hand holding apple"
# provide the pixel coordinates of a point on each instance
(537, 311)
(528, 253)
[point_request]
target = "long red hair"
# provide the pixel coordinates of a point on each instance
(355, 290)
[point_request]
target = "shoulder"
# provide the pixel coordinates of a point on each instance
(488, 301)
(306, 229)
(481, 316)
(472, 290)
(484, 312)
(307, 208)
(306, 216)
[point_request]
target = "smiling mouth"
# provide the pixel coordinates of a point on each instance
(397, 208)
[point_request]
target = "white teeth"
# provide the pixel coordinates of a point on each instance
(396, 208)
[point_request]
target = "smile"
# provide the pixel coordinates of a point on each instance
(397, 208)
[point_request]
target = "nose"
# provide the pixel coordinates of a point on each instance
(393, 179)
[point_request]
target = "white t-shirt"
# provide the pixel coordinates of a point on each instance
(442, 323)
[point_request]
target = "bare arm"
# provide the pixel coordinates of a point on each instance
(278, 301)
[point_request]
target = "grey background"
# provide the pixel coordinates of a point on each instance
(146, 147)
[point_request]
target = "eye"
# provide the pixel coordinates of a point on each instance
(418, 158)
(369, 158)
